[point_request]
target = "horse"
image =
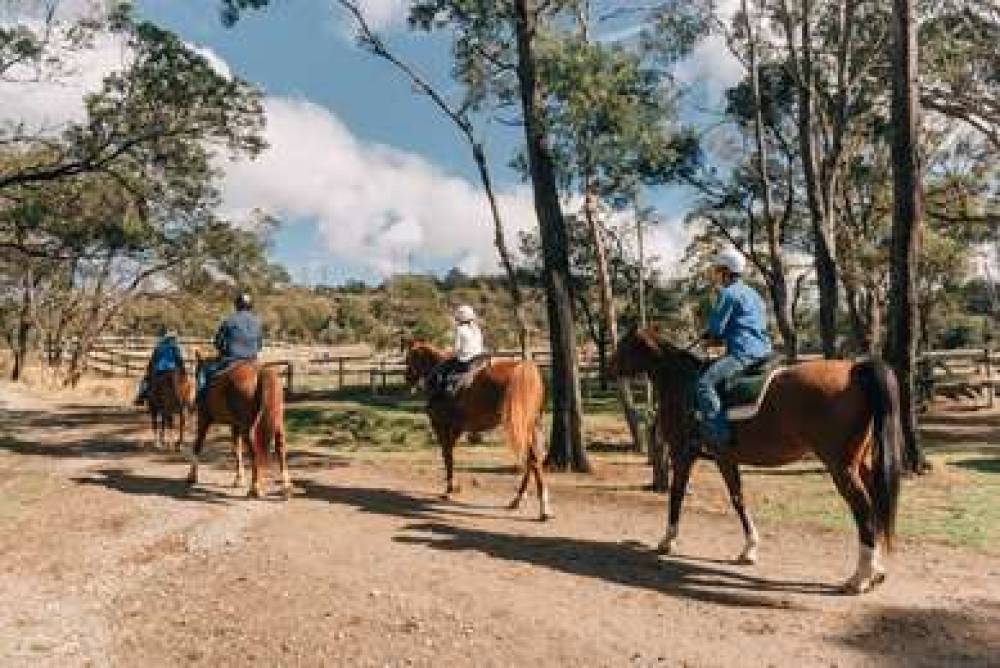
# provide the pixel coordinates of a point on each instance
(170, 393)
(506, 393)
(249, 397)
(838, 410)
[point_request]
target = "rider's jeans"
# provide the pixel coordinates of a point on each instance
(707, 395)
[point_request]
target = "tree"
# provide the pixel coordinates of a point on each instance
(98, 209)
(906, 222)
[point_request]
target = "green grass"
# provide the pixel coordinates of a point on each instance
(957, 504)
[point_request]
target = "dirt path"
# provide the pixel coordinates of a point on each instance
(107, 558)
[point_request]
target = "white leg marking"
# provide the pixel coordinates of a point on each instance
(545, 506)
(666, 545)
(749, 554)
(863, 578)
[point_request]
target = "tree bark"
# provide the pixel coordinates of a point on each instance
(608, 314)
(906, 222)
(566, 447)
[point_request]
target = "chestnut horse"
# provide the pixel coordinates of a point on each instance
(249, 397)
(170, 393)
(838, 410)
(506, 393)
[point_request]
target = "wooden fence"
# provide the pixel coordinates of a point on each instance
(972, 373)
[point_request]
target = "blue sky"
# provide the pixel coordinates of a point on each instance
(367, 177)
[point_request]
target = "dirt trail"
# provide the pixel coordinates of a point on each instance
(107, 558)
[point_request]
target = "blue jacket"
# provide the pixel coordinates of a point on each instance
(167, 355)
(739, 319)
(239, 337)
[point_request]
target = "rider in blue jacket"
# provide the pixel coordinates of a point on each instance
(166, 356)
(739, 320)
(238, 338)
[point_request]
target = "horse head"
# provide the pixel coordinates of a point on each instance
(639, 351)
(420, 360)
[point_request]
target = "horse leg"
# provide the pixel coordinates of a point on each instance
(181, 425)
(544, 507)
(204, 422)
(447, 437)
(869, 572)
(153, 425)
(280, 447)
(257, 459)
(734, 483)
(682, 464)
(240, 481)
(516, 503)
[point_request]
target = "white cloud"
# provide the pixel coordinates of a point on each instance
(376, 206)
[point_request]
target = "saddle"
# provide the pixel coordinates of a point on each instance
(476, 364)
(213, 370)
(742, 396)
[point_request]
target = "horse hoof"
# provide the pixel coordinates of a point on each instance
(856, 586)
(546, 516)
(748, 558)
(254, 493)
(514, 505)
(287, 493)
(665, 546)
(238, 484)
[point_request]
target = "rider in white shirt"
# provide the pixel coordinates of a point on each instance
(468, 336)
(468, 346)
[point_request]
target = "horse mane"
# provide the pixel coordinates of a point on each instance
(678, 361)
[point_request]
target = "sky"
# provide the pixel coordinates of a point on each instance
(365, 175)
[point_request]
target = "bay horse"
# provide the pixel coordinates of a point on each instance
(249, 397)
(840, 411)
(505, 393)
(171, 393)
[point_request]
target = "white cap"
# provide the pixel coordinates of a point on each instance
(464, 313)
(731, 259)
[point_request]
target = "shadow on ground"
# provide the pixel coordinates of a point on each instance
(896, 636)
(626, 564)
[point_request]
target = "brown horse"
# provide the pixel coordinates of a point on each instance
(506, 393)
(249, 397)
(170, 393)
(838, 410)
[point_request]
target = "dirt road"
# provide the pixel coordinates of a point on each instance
(107, 558)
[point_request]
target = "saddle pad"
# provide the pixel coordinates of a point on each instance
(743, 396)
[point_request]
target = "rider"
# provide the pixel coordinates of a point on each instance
(238, 338)
(166, 356)
(738, 319)
(468, 346)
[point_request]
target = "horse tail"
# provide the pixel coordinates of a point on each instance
(880, 386)
(522, 404)
(269, 408)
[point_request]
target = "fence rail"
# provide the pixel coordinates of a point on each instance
(963, 372)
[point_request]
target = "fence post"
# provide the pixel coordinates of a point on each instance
(290, 371)
(385, 382)
(340, 373)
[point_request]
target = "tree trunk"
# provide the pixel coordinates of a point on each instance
(820, 212)
(566, 448)
(776, 282)
(500, 241)
(608, 314)
(906, 221)
(23, 325)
